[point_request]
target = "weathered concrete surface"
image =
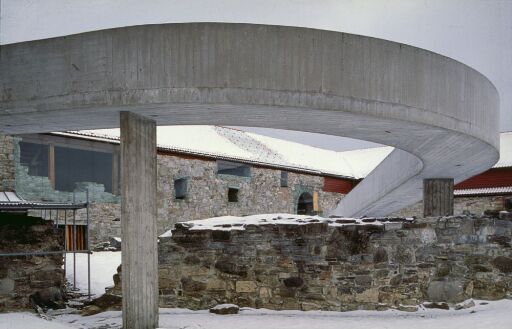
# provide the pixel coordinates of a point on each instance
(440, 114)
(138, 222)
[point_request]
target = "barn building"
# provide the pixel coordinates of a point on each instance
(208, 171)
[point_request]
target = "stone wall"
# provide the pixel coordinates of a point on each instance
(476, 205)
(7, 163)
(28, 279)
(399, 264)
(206, 197)
(207, 191)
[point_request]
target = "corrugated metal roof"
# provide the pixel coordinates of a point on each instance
(484, 191)
(12, 201)
(10, 197)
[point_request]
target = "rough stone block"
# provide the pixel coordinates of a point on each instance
(246, 286)
(451, 291)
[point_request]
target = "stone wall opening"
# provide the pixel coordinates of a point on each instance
(232, 194)
(305, 204)
(180, 188)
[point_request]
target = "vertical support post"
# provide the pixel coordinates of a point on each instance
(87, 244)
(74, 249)
(51, 165)
(138, 222)
(65, 241)
(115, 173)
(438, 197)
(316, 202)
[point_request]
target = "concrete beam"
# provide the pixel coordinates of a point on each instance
(138, 222)
(437, 197)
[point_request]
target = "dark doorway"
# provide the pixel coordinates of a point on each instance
(305, 204)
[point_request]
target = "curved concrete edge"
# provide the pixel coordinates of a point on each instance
(392, 173)
(441, 115)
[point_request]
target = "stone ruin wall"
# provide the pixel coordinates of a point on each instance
(25, 280)
(316, 266)
(476, 205)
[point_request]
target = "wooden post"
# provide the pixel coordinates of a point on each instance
(316, 203)
(51, 165)
(437, 197)
(138, 222)
(115, 173)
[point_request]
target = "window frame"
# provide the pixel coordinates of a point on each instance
(284, 179)
(184, 194)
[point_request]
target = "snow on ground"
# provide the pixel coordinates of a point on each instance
(103, 266)
(226, 223)
(493, 315)
(25, 320)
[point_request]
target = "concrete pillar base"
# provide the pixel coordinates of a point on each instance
(138, 222)
(437, 197)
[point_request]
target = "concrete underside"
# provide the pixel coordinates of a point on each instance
(441, 115)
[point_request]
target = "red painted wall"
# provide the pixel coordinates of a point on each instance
(338, 185)
(498, 177)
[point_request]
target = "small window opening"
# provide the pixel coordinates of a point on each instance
(233, 194)
(180, 188)
(508, 204)
(284, 179)
(233, 168)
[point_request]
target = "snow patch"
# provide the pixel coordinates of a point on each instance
(229, 223)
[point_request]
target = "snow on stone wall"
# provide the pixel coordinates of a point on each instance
(476, 205)
(330, 265)
(207, 191)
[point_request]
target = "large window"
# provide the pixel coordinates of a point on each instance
(233, 168)
(76, 165)
(35, 158)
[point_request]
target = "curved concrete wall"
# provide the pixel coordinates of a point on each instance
(441, 115)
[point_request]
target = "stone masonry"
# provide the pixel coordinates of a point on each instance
(28, 280)
(476, 205)
(7, 163)
(207, 191)
(337, 264)
(206, 197)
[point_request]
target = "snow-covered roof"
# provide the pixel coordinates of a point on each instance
(483, 191)
(238, 145)
(229, 223)
(12, 201)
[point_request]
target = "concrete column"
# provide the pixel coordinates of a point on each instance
(138, 222)
(438, 197)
